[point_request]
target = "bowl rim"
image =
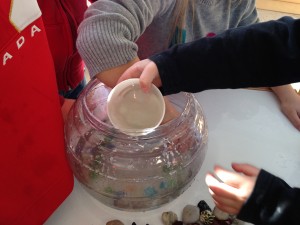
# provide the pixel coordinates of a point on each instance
(105, 127)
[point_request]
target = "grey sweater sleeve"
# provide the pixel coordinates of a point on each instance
(110, 29)
(245, 13)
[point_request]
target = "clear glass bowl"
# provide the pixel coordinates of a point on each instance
(134, 173)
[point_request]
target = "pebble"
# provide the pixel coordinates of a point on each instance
(169, 218)
(114, 222)
(202, 205)
(220, 214)
(206, 217)
(235, 221)
(194, 215)
(190, 214)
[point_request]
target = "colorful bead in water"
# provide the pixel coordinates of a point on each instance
(150, 192)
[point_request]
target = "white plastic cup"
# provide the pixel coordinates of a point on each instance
(133, 111)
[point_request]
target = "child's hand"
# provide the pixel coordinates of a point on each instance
(148, 73)
(236, 188)
(146, 70)
(289, 103)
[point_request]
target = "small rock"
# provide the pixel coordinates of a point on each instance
(190, 214)
(220, 214)
(169, 218)
(202, 205)
(114, 222)
(206, 217)
(237, 221)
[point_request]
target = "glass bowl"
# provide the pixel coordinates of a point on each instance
(134, 173)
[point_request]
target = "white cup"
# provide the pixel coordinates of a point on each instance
(133, 111)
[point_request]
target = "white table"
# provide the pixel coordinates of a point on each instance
(244, 126)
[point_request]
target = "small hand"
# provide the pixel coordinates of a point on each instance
(148, 73)
(110, 76)
(146, 70)
(235, 188)
(289, 103)
(291, 108)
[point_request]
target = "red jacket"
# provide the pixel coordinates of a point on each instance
(61, 19)
(34, 174)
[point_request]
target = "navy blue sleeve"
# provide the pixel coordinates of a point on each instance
(272, 202)
(258, 55)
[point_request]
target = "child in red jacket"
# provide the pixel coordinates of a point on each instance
(35, 177)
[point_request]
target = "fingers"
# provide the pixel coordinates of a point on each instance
(228, 177)
(224, 196)
(133, 71)
(230, 189)
(245, 168)
(289, 103)
(148, 75)
(220, 189)
(293, 116)
(227, 205)
(146, 70)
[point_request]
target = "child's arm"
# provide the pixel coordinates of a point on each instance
(259, 55)
(108, 35)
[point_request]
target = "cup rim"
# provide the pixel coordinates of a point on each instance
(117, 90)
